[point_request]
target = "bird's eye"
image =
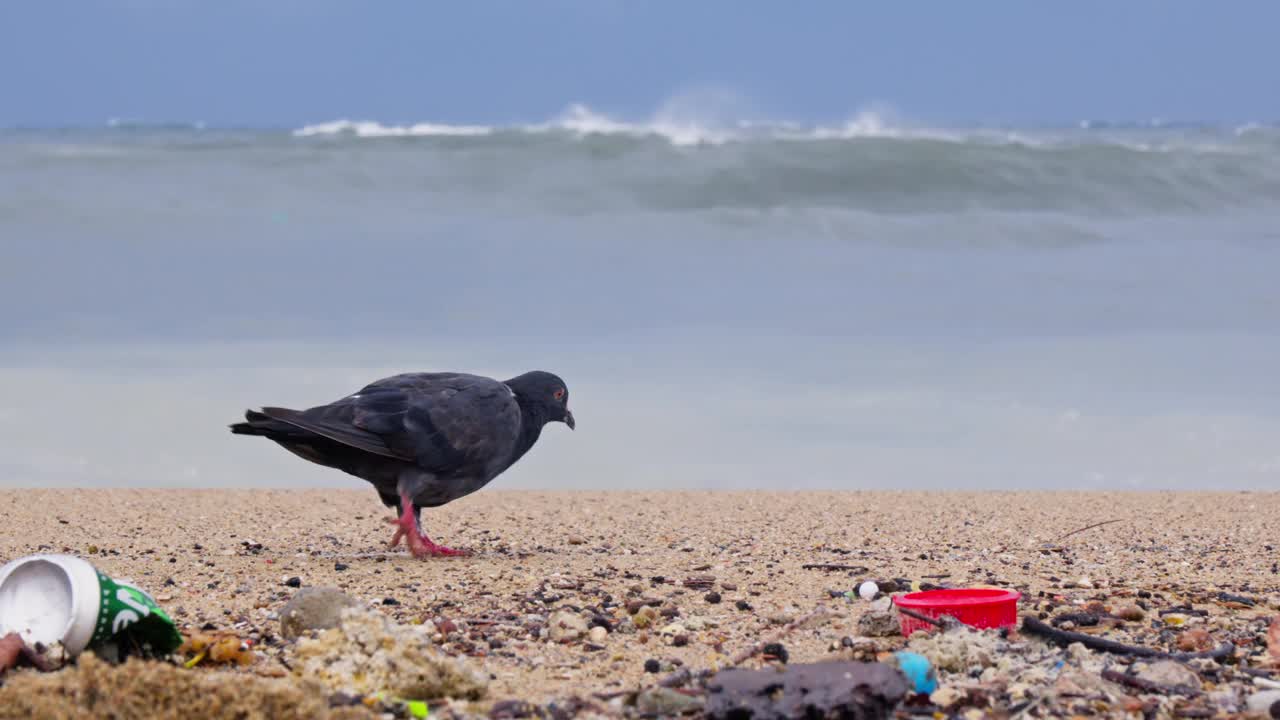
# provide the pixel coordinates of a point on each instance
(559, 394)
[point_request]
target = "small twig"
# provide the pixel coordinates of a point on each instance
(923, 618)
(834, 566)
(1147, 686)
(1063, 638)
(1095, 525)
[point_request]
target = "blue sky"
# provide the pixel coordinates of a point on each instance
(286, 62)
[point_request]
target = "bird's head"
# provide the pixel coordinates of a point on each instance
(545, 394)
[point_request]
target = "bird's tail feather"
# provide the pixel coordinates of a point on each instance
(260, 424)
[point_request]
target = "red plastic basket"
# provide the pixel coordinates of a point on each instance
(982, 608)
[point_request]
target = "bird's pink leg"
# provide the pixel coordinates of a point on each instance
(419, 544)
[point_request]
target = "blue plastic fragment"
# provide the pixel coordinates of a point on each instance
(918, 670)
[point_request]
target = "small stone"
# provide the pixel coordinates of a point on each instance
(776, 651)
(879, 623)
(390, 601)
(1131, 613)
(339, 567)
(1265, 703)
(1085, 583)
(314, 608)
(946, 697)
(1195, 640)
(781, 619)
(645, 617)
(294, 582)
(712, 597)
(1170, 674)
(742, 605)
(680, 640)
(665, 702)
(566, 626)
(598, 635)
(577, 540)
(651, 666)
(728, 586)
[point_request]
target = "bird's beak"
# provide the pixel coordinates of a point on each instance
(568, 419)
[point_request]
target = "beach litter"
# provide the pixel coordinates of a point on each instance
(61, 605)
(982, 608)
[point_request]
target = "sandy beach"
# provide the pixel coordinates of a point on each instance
(221, 559)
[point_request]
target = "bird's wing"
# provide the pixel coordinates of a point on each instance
(333, 421)
(445, 423)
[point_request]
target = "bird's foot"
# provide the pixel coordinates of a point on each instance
(419, 544)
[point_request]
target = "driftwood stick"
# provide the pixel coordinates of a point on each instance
(1095, 525)
(834, 566)
(923, 618)
(1147, 686)
(1063, 638)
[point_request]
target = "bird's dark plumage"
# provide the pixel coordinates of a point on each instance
(421, 439)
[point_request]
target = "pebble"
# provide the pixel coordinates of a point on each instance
(294, 582)
(742, 605)
(945, 697)
(651, 666)
(339, 567)
(314, 608)
(879, 623)
(1170, 674)
(1266, 703)
(598, 635)
(645, 617)
(665, 702)
(577, 540)
(777, 651)
(566, 625)
(1132, 613)
(712, 597)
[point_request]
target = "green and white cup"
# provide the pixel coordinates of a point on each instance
(65, 599)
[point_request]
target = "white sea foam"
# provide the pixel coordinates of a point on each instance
(370, 128)
(684, 125)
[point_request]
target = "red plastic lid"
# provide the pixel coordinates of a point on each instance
(964, 597)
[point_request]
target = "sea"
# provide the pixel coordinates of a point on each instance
(856, 305)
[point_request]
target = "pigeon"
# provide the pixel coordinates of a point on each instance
(421, 439)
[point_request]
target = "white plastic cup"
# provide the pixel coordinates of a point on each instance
(63, 598)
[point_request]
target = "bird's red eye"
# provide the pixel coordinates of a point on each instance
(559, 394)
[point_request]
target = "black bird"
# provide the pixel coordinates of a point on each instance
(421, 439)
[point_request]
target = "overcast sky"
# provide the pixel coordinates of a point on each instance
(285, 62)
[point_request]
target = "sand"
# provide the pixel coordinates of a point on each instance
(198, 553)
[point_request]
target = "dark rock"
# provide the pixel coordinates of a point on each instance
(294, 582)
(339, 567)
(837, 689)
(742, 605)
(390, 601)
(513, 709)
(776, 651)
(712, 597)
(652, 666)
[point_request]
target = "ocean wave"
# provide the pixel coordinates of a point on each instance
(580, 121)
